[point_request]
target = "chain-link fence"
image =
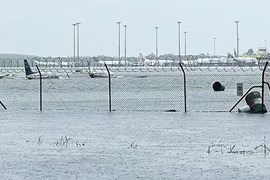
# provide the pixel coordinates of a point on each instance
(134, 86)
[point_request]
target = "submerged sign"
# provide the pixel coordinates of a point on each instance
(239, 87)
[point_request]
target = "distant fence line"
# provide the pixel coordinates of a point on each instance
(190, 63)
(131, 90)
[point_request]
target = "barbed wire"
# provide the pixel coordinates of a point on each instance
(132, 64)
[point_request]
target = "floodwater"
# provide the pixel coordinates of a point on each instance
(76, 137)
(134, 145)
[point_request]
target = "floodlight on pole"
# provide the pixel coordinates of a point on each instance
(237, 39)
(125, 45)
(74, 40)
(78, 40)
(179, 40)
(215, 46)
(185, 43)
(156, 42)
(119, 43)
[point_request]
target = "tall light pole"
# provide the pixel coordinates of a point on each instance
(119, 43)
(237, 39)
(185, 43)
(125, 45)
(78, 40)
(214, 46)
(74, 41)
(179, 40)
(156, 42)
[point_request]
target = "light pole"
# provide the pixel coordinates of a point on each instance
(74, 41)
(119, 43)
(156, 42)
(214, 46)
(185, 43)
(179, 42)
(237, 38)
(125, 45)
(78, 40)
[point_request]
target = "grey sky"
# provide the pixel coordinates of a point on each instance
(44, 27)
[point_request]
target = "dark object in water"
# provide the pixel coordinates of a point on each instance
(217, 86)
(141, 76)
(254, 100)
(170, 110)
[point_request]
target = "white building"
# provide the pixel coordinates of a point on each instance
(262, 51)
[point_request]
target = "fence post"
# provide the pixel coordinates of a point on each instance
(40, 88)
(110, 93)
(263, 82)
(185, 87)
(3, 105)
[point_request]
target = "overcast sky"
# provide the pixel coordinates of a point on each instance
(44, 27)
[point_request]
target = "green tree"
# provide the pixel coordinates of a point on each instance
(250, 52)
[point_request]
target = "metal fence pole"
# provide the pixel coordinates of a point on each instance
(110, 92)
(263, 82)
(185, 87)
(3, 105)
(40, 88)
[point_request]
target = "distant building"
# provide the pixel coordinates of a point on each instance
(262, 51)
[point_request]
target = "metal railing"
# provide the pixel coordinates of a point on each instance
(262, 88)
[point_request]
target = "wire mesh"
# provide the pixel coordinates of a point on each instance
(135, 87)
